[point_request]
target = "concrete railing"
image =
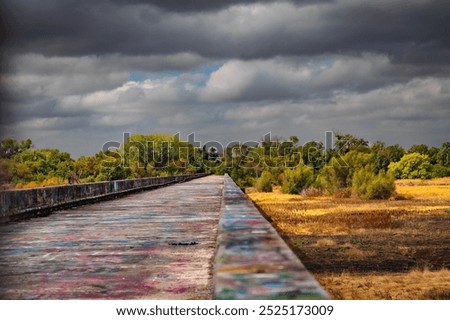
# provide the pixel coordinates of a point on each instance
(252, 261)
(26, 203)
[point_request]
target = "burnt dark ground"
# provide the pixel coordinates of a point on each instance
(417, 242)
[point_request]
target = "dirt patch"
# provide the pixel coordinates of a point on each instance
(394, 250)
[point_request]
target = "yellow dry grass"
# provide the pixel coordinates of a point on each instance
(420, 210)
(325, 243)
(295, 214)
(46, 183)
(424, 189)
(415, 285)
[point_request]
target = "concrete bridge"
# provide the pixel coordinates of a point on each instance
(200, 239)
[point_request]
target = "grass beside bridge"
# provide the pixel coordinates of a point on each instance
(383, 249)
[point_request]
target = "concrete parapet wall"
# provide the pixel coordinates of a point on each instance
(26, 203)
(252, 261)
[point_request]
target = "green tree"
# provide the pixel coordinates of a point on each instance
(156, 154)
(87, 168)
(418, 148)
(41, 164)
(313, 155)
(5, 171)
(10, 147)
(111, 166)
(443, 155)
(347, 142)
(440, 171)
(433, 154)
(412, 166)
(294, 140)
(384, 155)
(440, 158)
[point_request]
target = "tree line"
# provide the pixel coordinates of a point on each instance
(350, 166)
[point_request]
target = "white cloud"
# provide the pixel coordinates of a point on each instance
(419, 98)
(353, 71)
(288, 78)
(247, 22)
(245, 99)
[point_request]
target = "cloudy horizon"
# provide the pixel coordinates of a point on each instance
(76, 74)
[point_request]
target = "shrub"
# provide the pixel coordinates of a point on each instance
(264, 182)
(294, 181)
(382, 187)
(336, 177)
(361, 180)
(368, 185)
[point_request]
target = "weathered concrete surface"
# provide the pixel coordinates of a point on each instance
(26, 203)
(153, 245)
(252, 261)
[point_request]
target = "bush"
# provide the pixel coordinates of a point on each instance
(264, 182)
(382, 187)
(361, 181)
(294, 181)
(336, 177)
(368, 185)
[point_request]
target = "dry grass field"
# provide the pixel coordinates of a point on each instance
(377, 249)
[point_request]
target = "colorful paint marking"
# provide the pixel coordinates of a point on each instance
(158, 244)
(252, 261)
(120, 249)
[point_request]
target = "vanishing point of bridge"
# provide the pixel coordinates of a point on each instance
(200, 239)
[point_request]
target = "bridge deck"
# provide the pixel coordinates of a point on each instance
(153, 245)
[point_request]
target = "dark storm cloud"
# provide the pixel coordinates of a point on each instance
(408, 31)
(47, 107)
(411, 31)
(86, 70)
(206, 5)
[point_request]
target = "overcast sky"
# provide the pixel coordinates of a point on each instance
(78, 73)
